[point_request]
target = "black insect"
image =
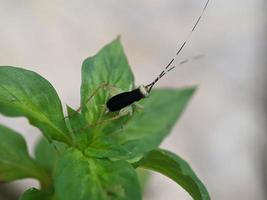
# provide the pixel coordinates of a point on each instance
(125, 99)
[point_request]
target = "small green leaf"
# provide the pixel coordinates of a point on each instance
(177, 169)
(78, 177)
(46, 156)
(35, 194)
(109, 66)
(25, 93)
(147, 128)
(81, 133)
(15, 162)
(143, 176)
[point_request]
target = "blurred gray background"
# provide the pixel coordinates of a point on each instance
(222, 133)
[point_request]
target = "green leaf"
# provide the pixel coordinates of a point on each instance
(105, 147)
(109, 66)
(78, 177)
(177, 169)
(35, 194)
(146, 129)
(25, 93)
(15, 162)
(46, 154)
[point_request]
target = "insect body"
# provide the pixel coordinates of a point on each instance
(124, 99)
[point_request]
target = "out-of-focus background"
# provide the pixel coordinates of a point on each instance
(222, 133)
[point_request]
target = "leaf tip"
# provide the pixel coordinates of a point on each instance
(118, 38)
(191, 90)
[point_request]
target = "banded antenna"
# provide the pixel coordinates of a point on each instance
(169, 66)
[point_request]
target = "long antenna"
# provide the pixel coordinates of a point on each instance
(167, 68)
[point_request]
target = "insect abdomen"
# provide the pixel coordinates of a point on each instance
(124, 99)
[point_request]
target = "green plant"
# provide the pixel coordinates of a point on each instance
(79, 157)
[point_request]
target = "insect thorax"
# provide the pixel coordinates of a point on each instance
(143, 90)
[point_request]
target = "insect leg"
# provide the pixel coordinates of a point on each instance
(123, 112)
(138, 106)
(104, 121)
(92, 95)
(89, 98)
